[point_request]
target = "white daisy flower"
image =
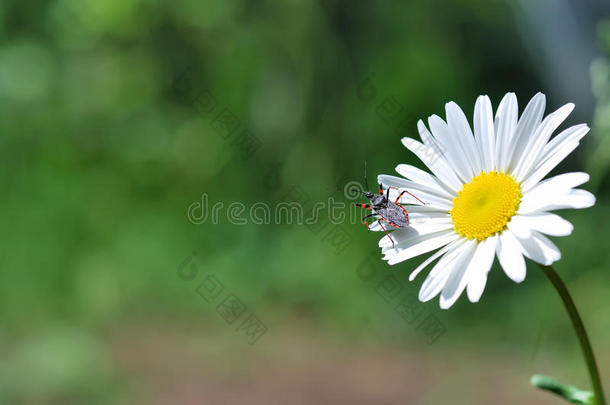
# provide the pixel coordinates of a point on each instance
(485, 196)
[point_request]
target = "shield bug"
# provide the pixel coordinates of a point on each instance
(392, 213)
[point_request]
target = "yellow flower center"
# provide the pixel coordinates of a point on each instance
(485, 205)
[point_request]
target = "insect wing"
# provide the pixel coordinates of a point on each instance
(395, 215)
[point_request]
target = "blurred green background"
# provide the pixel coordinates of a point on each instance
(108, 136)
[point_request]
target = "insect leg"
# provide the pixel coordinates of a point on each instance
(367, 206)
(364, 220)
(386, 232)
(405, 191)
(387, 192)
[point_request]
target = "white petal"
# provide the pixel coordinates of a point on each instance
(578, 199)
(419, 176)
(527, 125)
(556, 199)
(538, 140)
(463, 134)
(506, 122)
(418, 223)
(451, 148)
(549, 224)
(428, 195)
(519, 227)
(549, 192)
(557, 185)
(457, 280)
(404, 237)
(441, 271)
(417, 218)
(435, 162)
(510, 257)
(484, 132)
(402, 234)
(575, 199)
(424, 209)
(421, 214)
(479, 268)
(451, 250)
(429, 260)
(546, 166)
(569, 136)
(540, 249)
(418, 246)
(428, 139)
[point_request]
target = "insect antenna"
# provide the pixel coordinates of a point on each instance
(366, 183)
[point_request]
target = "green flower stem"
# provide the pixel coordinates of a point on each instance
(554, 278)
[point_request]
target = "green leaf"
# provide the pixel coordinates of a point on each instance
(568, 392)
